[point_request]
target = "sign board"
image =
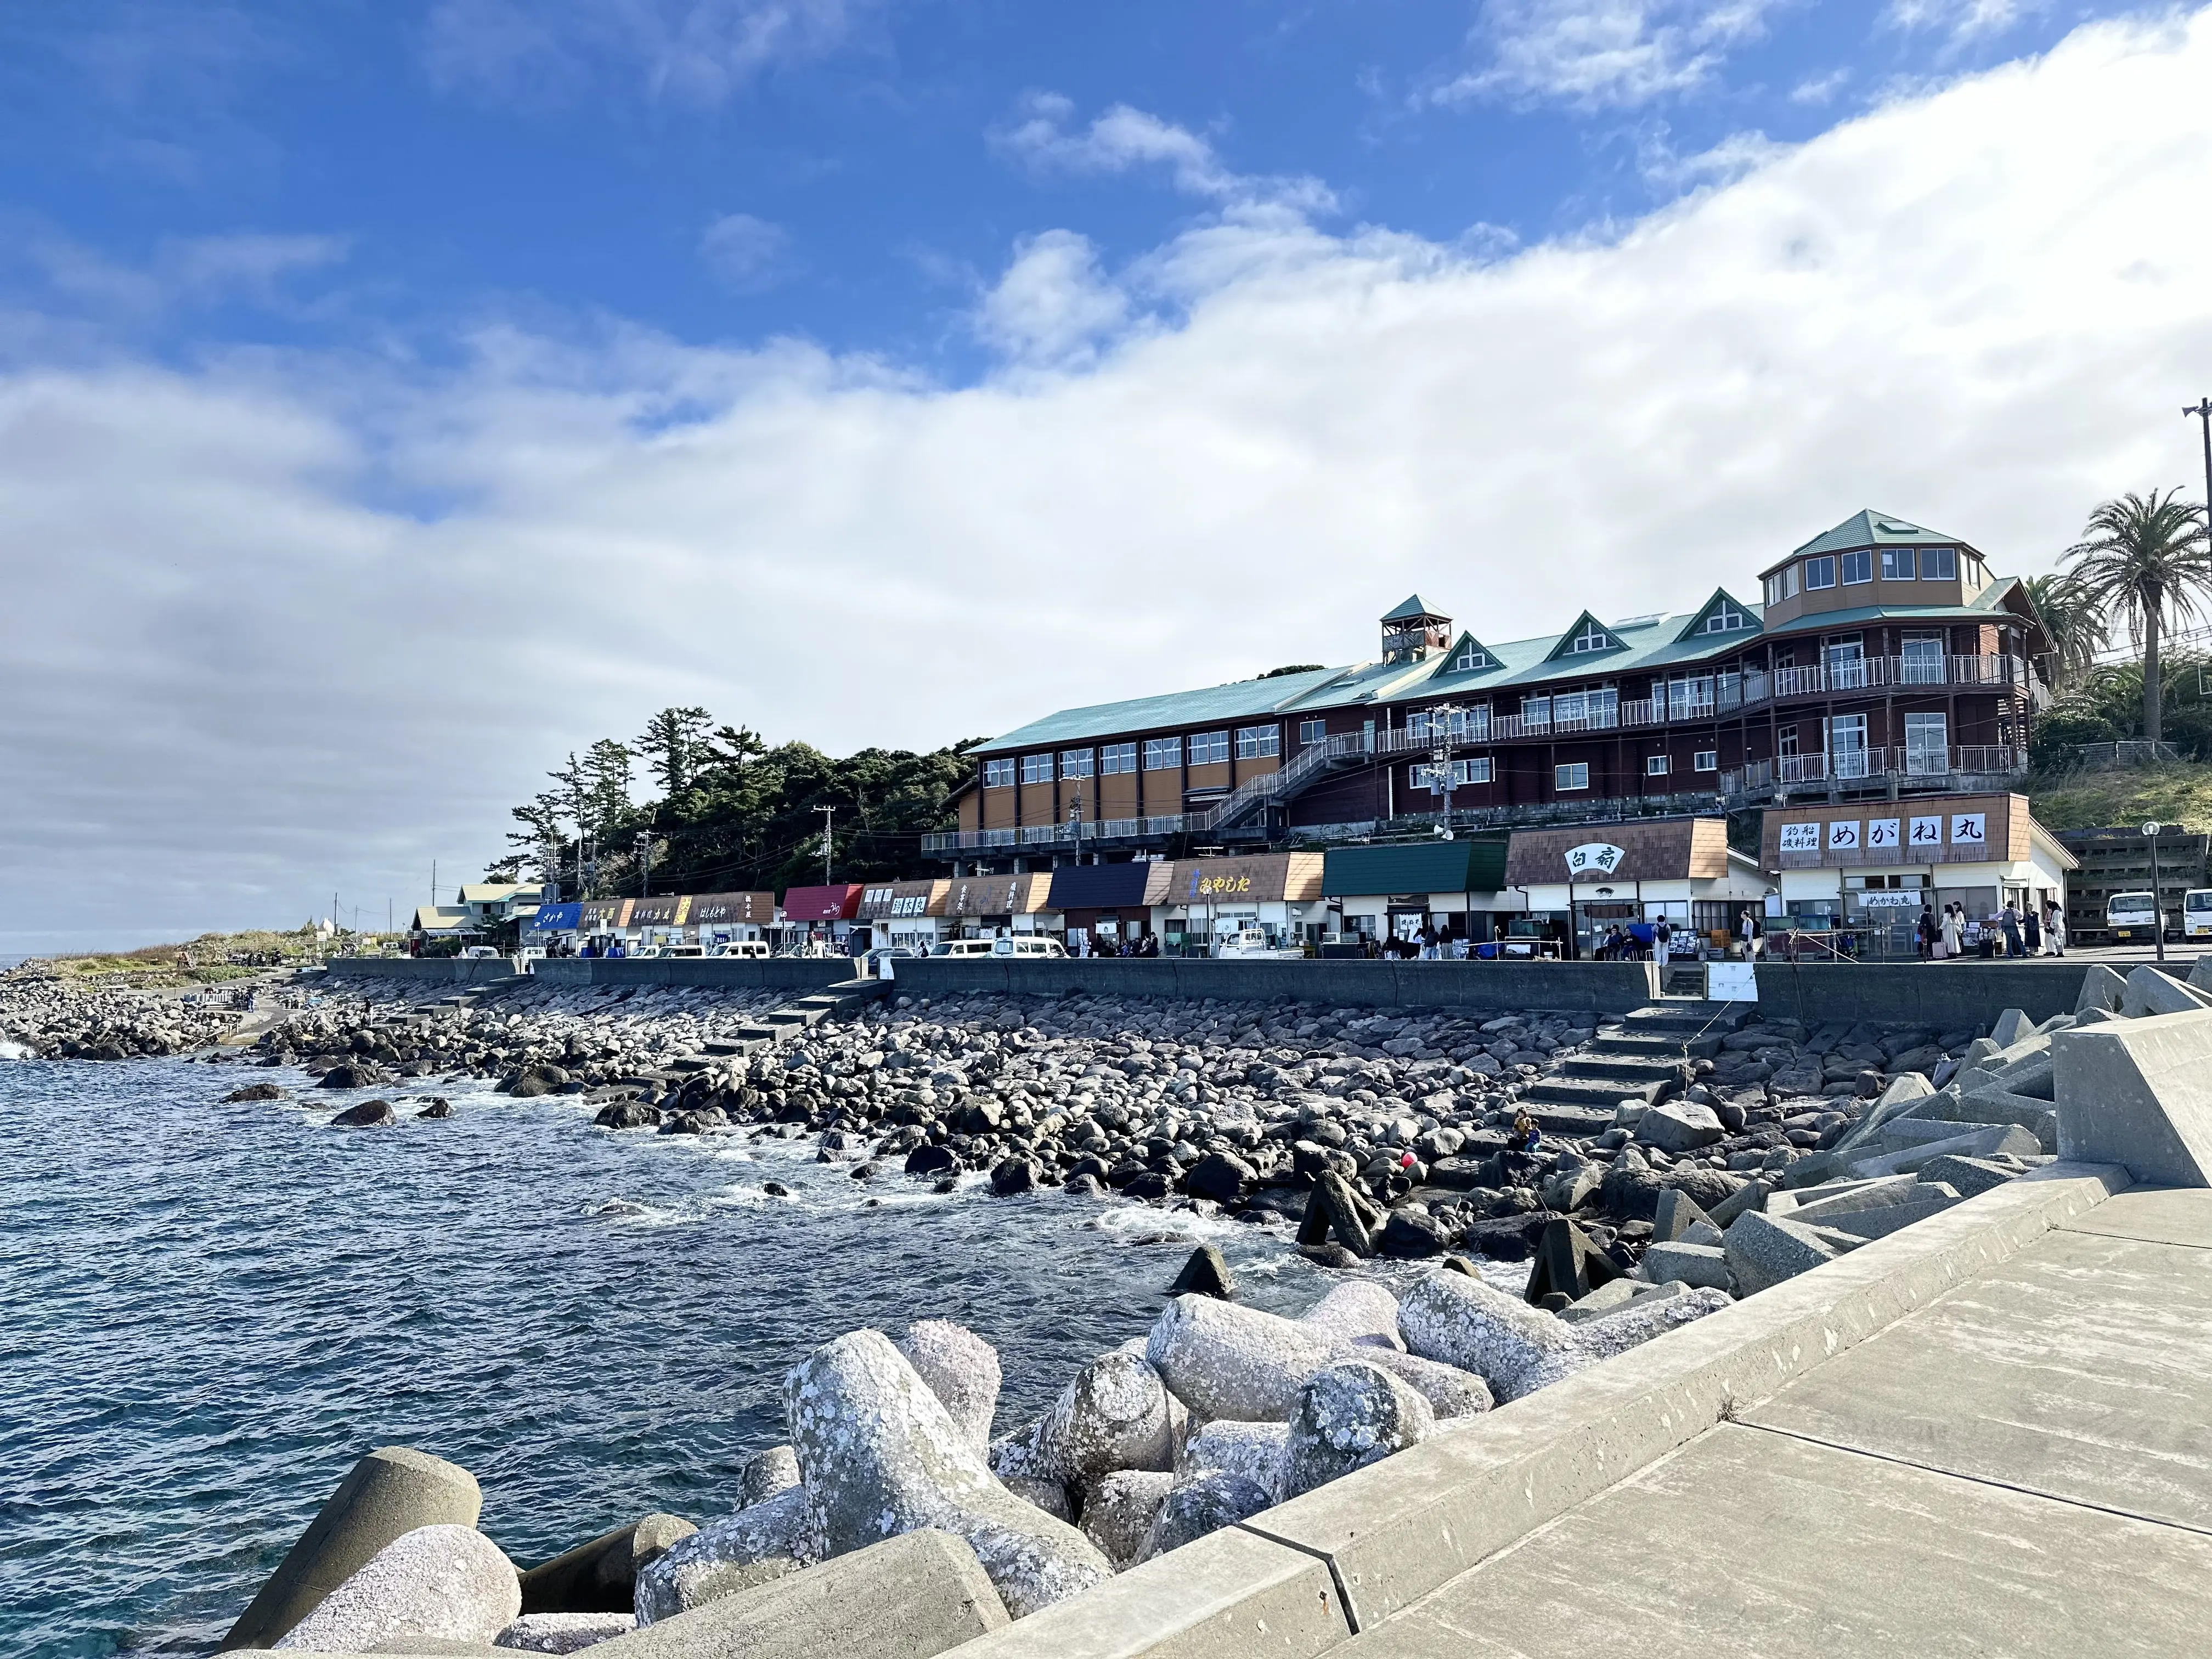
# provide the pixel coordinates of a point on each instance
(1731, 981)
(1593, 858)
(1908, 898)
(1800, 838)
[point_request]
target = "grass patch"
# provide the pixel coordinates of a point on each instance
(2117, 797)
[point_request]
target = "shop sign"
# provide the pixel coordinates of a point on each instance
(1593, 858)
(1927, 832)
(1970, 829)
(1203, 886)
(1882, 834)
(1904, 898)
(1800, 838)
(1844, 835)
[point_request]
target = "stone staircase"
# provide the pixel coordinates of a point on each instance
(780, 1026)
(1636, 1061)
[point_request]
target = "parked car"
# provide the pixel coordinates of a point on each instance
(751, 949)
(480, 952)
(1251, 943)
(961, 947)
(1027, 945)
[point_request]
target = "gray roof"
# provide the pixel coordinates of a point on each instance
(1415, 608)
(1868, 528)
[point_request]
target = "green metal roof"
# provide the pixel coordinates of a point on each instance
(1238, 700)
(1413, 607)
(1869, 528)
(1416, 867)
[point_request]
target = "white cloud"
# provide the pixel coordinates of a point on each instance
(748, 254)
(1819, 90)
(1733, 158)
(1123, 139)
(245, 663)
(696, 52)
(1962, 21)
(1054, 306)
(183, 272)
(1602, 53)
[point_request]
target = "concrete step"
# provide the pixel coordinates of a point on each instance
(1663, 1067)
(1657, 1045)
(1598, 1094)
(1687, 1018)
(1559, 1118)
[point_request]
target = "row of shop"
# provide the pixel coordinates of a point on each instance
(1818, 867)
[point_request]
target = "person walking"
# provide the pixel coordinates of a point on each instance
(1924, 933)
(2031, 930)
(2054, 927)
(1954, 931)
(1662, 936)
(2008, 923)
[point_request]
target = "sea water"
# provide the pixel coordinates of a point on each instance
(212, 1311)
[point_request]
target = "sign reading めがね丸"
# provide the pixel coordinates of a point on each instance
(1593, 858)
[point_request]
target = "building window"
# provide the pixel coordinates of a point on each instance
(1036, 768)
(1655, 766)
(1472, 657)
(1897, 564)
(1116, 758)
(1162, 754)
(1259, 742)
(1725, 619)
(1477, 769)
(1431, 776)
(1707, 760)
(1209, 748)
(1312, 731)
(998, 773)
(1939, 564)
(1782, 585)
(1858, 566)
(1591, 637)
(1571, 775)
(1535, 713)
(1820, 572)
(1075, 764)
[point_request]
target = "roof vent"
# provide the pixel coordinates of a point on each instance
(1640, 622)
(1889, 529)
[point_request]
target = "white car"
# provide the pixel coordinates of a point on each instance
(1028, 946)
(751, 949)
(1251, 943)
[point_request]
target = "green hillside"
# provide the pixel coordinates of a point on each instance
(2178, 792)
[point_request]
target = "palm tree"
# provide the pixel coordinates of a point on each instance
(2145, 557)
(2075, 623)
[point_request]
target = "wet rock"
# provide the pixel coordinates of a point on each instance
(881, 1456)
(1013, 1176)
(961, 1370)
(351, 1074)
(627, 1114)
(1410, 1233)
(1206, 1274)
(1220, 1178)
(436, 1110)
(254, 1091)
(1351, 1413)
(445, 1583)
(369, 1115)
(729, 1554)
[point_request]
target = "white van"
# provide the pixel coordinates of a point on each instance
(751, 949)
(2197, 913)
(1027, 945)
(961, 947)
(1251, 943)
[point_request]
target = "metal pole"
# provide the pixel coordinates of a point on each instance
(828, 820)
(2157, 900)
(644, 862)
(2203, 414)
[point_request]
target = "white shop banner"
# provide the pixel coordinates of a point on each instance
(1800, 838)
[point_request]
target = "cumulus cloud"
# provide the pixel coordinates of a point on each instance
(696, 52)
(1592, 54)
(342, 617)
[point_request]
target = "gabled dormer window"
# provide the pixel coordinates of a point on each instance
(1725, 619)
(1591, 636)
(1471, 657)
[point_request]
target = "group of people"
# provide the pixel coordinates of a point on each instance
(2007, 933)
(1081, 943)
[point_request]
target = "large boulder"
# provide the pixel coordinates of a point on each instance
(1219, 1177)
(1680, 1125)
(961, 1370)
(254, 1091)
(391, 1491)
(444, 1583)
(729, 1553)
(1206, 1274)
(1351, 1413)
(601, 1575)
(881, 1456)
(1222, 1360)
(369, 1115)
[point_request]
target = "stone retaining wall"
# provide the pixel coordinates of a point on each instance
(424, 971)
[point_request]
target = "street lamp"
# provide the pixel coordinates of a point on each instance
(2157, 903)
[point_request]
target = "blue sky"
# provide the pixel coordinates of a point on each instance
(853, 172)
(394, 397)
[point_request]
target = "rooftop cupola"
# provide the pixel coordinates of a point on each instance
(1414, 631)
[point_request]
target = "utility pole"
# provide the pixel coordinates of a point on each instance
(2203, 414)
(433, 881)
(1440, 720)
(2157, 898)
(644, 861)
(829, 819)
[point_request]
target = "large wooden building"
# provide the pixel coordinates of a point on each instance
(1880, 660)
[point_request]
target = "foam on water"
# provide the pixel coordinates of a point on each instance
(213, 1309)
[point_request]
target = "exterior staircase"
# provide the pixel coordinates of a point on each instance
(1636, 1061)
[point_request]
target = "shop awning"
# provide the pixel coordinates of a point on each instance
(1466, 866)
(557, 918)
(1111, 886)
(1655, 850)
(833, 904)
(1262, 879)
(1000, 895)
(726, 910)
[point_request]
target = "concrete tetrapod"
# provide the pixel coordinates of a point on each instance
(1350, 1414)
(1222, 1360)
(1464, 1322)
(601, 1575)
(881, 1457)
(389, 1493)
(2138, 1093)
(913, 1596)
(440, 1583)
(961, 1370)
(729, 1553)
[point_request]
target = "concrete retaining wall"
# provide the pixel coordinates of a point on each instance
(1951, 996)
(1594, 987)
(428, 970)
(724, 973)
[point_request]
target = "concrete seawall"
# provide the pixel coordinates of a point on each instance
(427, 971)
